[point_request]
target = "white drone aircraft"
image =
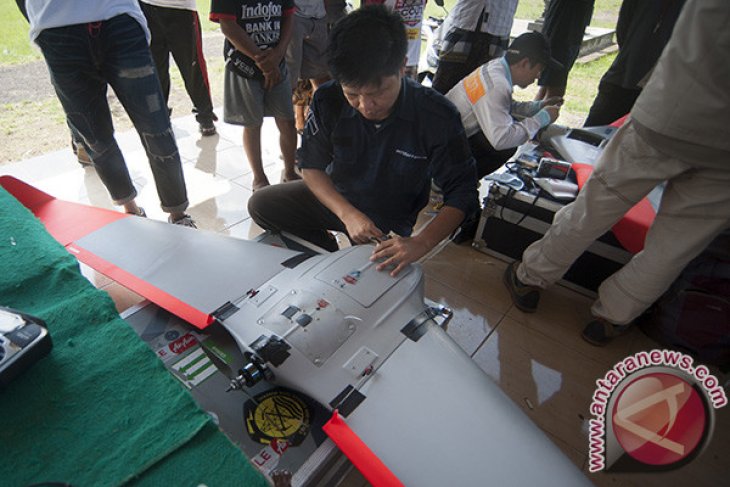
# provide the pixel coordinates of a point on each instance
(409, 406)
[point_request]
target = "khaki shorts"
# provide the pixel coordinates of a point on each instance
(245, 102)
(305, 55)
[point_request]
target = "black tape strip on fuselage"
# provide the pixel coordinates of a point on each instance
(416, 328)
(347, 401)
(292, 262)
(225, 311)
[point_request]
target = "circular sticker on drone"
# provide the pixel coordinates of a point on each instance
(277, 415)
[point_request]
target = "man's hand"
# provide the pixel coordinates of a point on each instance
(271, 79)
(360, 228)
(268, 60)
(399, 252)
(553, 111)
(552, 107)
(553, 101)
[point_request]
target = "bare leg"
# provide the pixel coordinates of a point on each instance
(301, 97)
(300, 116)
(252, 148)
(288, 144)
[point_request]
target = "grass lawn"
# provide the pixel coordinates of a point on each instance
(15, 47)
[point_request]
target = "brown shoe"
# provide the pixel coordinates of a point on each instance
(524, 297)
(600, 332)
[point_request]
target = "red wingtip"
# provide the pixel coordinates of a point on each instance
(66, 221)
(372, 468)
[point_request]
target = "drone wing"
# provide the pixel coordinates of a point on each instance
(432, 418)
(191, 273)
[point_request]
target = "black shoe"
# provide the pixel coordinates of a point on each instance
(525, 297)
(183, 221)
(468, 229)
(600, 332)
(207, 128)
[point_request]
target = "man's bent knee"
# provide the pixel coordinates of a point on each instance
(161, 145)
(259, 207)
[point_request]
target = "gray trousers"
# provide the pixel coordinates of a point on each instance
(695, 207)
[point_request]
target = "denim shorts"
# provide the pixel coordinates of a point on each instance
(245, 102)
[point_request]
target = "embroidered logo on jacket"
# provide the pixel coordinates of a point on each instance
(408, 155)
(474, 86)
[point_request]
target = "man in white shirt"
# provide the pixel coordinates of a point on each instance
(496, 124)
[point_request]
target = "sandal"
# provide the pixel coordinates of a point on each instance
(140, 212)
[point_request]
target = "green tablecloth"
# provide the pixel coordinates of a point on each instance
(101, 409)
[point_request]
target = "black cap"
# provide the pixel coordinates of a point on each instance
(534, 46)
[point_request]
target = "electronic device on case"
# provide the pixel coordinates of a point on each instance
(577, 145)
(24, 340)
(559, 189)
(553, 168)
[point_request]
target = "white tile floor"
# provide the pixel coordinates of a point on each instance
(539, 360)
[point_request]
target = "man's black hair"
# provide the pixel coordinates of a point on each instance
(535, 47)
(367, 45)
(514, 58)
